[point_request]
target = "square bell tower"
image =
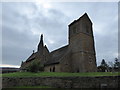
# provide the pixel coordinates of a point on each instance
(81, 43)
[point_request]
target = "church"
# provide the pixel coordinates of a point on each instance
(78, 56)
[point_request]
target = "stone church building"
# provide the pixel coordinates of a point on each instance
(78, 56)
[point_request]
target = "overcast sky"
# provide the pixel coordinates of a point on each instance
(22, 24)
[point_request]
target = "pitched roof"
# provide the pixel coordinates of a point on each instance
(85, 15)
(32, 57)
(57, 55)
(45, 47)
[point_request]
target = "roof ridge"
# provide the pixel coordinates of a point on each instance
(59, 48)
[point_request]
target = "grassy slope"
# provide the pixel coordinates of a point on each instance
(58, 74)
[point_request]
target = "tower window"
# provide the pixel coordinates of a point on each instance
(87, 29)
(90, 61)
(74, 30)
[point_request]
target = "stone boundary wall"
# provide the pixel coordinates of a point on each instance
(63, 82)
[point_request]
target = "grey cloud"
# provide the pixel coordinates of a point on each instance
(16, 46)
(18, 28)
(13, 55)
(53, 27)
(106, 45)
(18, 39)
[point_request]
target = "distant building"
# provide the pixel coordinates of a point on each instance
(78, 56)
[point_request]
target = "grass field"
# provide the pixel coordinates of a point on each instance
(58, 74)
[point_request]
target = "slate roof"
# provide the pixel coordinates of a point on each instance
(56, 55)
(32, 57)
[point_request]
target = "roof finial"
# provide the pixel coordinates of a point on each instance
(41, 36)
(40, 45)
(33, 51)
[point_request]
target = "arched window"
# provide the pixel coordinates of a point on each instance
(78, 71)
(54, 69)
(74, 30)
(87, 29)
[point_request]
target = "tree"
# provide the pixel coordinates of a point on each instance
(35, 67)
(117, 64)
(111, 66)
(103, 67)
(103, 63)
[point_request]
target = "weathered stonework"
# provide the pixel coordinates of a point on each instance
(63, 82)
(78, 56)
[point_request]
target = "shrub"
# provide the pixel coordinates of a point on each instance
(36, 67)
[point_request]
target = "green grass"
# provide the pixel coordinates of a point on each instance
(58, 74)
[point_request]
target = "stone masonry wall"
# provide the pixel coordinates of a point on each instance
(63, 82)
